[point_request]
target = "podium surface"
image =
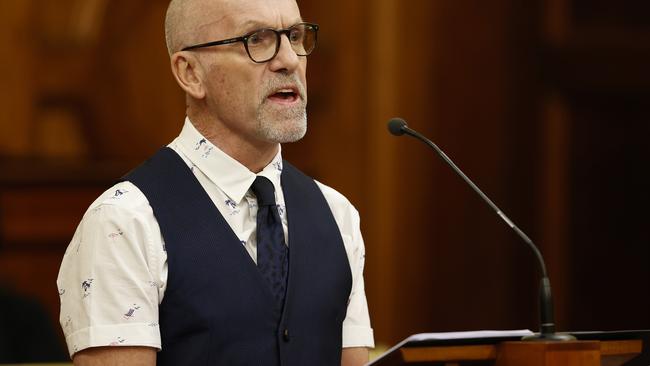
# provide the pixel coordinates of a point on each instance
(590, 349)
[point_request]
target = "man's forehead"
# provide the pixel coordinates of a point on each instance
(246, 15)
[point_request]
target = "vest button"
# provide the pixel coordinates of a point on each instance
(285, 335)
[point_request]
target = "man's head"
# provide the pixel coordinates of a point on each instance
(230, 97)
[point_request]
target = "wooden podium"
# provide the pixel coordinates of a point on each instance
(590, 349)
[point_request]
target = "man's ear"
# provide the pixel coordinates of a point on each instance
(189, 74)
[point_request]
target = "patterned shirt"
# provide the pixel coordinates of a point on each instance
(114, 272)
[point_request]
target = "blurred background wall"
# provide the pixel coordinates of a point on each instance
(545, 104)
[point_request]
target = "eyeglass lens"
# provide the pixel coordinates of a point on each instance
(263, 44)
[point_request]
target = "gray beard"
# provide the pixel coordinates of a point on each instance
(282, 125)
(281, 128)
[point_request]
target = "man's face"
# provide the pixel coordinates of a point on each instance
(259, 103)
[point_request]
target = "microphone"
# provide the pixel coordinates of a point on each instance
(398, 127)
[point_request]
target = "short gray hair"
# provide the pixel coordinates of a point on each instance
(173, 22)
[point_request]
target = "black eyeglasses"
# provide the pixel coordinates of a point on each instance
(263, 45)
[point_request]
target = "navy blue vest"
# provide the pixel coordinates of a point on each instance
(217, 309)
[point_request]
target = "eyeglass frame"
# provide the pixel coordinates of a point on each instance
(244, 40)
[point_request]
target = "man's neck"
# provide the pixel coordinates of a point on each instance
(254, 155)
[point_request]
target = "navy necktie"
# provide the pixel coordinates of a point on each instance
(272, 253)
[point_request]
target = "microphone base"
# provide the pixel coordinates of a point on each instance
(549, 337)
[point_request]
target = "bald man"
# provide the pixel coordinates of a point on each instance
(216, 251)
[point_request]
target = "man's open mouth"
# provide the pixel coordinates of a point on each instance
(285, 95)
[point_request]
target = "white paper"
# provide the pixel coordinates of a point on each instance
(470, 335)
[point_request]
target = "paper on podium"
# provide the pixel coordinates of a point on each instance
(477, 335)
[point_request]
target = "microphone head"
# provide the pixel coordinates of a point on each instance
(396, 126)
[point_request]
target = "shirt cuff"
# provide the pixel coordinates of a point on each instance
(358, 336)
(141, 334)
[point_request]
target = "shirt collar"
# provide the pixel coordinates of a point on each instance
(233, 178)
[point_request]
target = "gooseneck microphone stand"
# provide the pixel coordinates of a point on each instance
(398, 127)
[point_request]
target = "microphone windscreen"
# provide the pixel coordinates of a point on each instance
(396, 125)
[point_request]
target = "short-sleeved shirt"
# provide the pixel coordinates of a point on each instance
(114, 272)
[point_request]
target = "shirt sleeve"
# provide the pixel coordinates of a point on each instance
(108, 282)
(357, 331)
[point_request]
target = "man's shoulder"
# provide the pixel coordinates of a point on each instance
(339, 204)
(345, 214)
(123, 196)
(334, 197)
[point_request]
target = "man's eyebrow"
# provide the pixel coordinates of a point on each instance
(252, 25)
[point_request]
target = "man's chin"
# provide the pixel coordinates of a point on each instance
(294, 136)
(283, 131)
(283, 126)
(284, 136)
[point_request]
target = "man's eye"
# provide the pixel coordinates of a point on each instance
(254, 39)
(263, 37)
(296, 35)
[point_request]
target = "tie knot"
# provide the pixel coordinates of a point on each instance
(264, 191)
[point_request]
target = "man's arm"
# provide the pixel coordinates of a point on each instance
(116, 356)
(354, 356)
(110, 277)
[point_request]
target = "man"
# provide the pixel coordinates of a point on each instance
(216, 251)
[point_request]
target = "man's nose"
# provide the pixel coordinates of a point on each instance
(286, 59)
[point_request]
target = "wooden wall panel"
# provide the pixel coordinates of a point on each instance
(16, 90)
(470, 120)
(595, 212)
(608, 201)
